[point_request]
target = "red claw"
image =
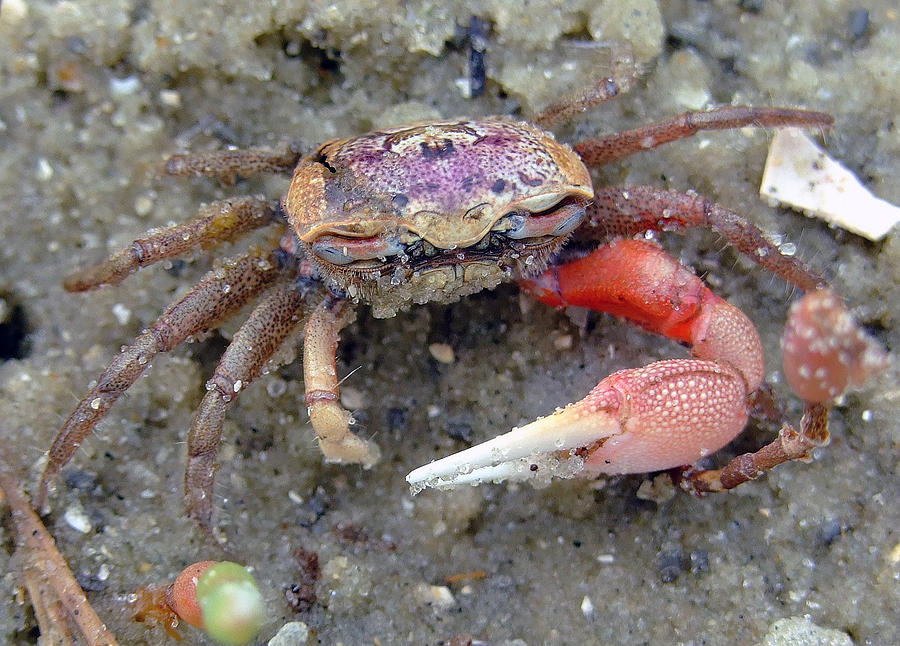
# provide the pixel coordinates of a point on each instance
(663, 415)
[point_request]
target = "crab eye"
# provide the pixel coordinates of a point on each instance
(331, 252)
(562, 219)
(570, 223)
(512, 224)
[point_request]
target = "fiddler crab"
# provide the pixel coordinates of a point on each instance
(431, 212)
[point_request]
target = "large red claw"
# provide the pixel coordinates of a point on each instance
(825, 351)
(664, 415)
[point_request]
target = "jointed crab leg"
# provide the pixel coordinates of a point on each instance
(276, 315)
(825, 351)
(789, 445)
(226, 165)
(605, 149)
(330, 421)
(219, 295)
(218, 222)
(636, 209)
(582, 100)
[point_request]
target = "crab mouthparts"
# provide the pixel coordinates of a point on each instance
(548, 447)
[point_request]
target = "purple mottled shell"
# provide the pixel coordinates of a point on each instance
(448, 182)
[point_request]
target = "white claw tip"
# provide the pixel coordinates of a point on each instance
(537, 452)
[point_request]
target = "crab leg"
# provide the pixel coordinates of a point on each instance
(667, 414)
(329, 419)
(218, 222)
(609, 148)
(277, 314)
(226, 165)
(636, 209)
(207, 304)
(583, 99)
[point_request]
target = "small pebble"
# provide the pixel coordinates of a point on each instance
(437, 596)
(800, 631)
(669, 564)
(124, 87)
(293, 633)
(170, 98)
(77, 519)
(895, 554)
(562, 341)
(81, 480)
(587, 606)
(396, 419)
(659, 490)
(13, 13)
(44, 170)
(143, 204)
(699, 561)
(352, 398)
(752, 6)
(122, 313)
(442, 352)
(460, 431)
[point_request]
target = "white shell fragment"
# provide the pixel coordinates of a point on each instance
(799, 174)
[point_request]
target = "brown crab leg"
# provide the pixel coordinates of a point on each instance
(218, 222)
(330, 421)
(582, 100)
(219, 295)
(226, 165)
(605, 149)
(629, 211)
(789, 445)
(271, 321)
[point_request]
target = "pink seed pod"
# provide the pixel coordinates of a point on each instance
(825, 351)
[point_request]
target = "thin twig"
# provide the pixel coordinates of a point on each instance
(50, 583)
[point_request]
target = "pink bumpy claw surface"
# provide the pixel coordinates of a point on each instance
(671, 413)
(825, 351)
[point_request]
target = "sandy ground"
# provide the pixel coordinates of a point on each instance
(94, 94)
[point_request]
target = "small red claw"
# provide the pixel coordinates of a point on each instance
(825, 351)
